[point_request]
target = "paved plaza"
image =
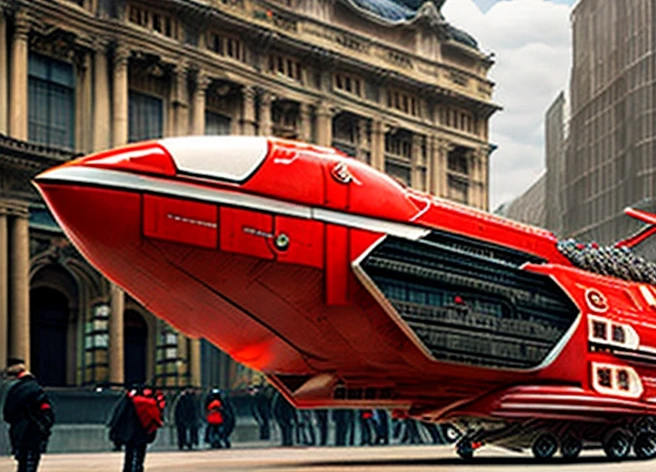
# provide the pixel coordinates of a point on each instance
(387, 459)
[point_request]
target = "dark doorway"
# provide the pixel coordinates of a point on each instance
(48, 328)
(135, 348)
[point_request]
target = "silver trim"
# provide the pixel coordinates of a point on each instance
(142, 183)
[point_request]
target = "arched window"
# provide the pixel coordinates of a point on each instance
(135, 347)
(49, 315)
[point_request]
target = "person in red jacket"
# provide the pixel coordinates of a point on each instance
(135, 422)
(29, 413)
(220, 417)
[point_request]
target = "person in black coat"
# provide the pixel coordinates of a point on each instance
(261, 409)
(187, 419)
(134, 423)
(29, 413)
(285, 416)
(322, 426)
(343, 427)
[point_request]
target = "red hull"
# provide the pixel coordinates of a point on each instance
(275, 268)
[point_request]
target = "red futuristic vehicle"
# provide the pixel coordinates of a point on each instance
(348, 290)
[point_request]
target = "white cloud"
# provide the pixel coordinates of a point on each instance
(531, 42)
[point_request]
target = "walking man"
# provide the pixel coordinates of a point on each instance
(29, 413)
(134, 423)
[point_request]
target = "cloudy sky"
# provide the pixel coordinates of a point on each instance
(531, 42)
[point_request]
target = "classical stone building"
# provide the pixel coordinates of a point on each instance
(389, 82)
(609, 162)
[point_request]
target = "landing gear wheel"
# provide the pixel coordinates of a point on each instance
(571, 447)
(545, 446)
(465, 450)
(645, 445)
(450, 433)
(617, 445)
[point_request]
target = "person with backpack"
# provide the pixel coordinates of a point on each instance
(134, 423)
(30, 415)
(220, 417)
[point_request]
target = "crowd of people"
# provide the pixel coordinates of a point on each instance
(139, 413)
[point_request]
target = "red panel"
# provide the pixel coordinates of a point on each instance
(180, 221)
(306, 241)
(292, 172)
(337, 265)
(246, 232)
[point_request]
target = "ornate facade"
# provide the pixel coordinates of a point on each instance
(388, 82)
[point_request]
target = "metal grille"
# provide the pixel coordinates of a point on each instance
(469, 301)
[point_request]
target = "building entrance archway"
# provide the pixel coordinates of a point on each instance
(135, 347)
(49, 313)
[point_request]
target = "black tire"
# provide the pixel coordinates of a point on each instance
(645, 445)
(465, 450)
(571, 447)
(617, 445)
(545, 446)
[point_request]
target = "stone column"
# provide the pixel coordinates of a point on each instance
(3, 79)
(198, 121)
(266, 98)
(19, 285)
(84, 99)
(120, 97)
(324, 124)
(363, 141)
(194, 362)
(440, 170)
(248, 124)
(416, 180)
(18, 82)
(305, 122)
(101, 112)
(4, 287)
(116, 335)
(473, 189)
(180, 100)
(378, 145)
(485, 175)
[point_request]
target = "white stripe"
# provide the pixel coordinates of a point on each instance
(647, 349)
(370, 224)
(647, 295)
(548, 406)
(141, 183)
(581, 398)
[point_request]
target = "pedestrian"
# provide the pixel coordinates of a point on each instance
(220, 417)
(342, 419)
(366, 427)
(285, 415)
(187, 418)
(306, 428)
(29, 412)
(381, 427)
(260, 406)
(322, 426)
(134, 423)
